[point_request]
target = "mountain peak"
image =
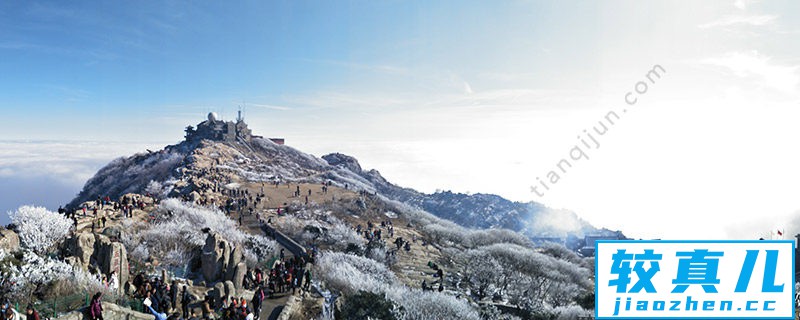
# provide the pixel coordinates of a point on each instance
(343, 161)
(233, 154)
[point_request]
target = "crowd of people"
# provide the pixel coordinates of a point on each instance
(97, 210)
(174, 301)
(7, 312)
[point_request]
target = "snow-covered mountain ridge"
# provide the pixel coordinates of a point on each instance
(179, 167)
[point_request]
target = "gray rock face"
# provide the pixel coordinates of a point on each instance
(233, 261)
(218, 292)
(230, 289)
(113, 257)
(9, 240)
(219, 259)
(216, 253)
(238, 275)
(86, 249)
(82, 247)
(223, 291)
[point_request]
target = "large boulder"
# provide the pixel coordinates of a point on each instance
(216, 254)
(218, 293)
(81, 247)
(234, 260)
(110, 257)
(9, 240)
(230, 289)
(87, 250)
(238, 275)
(113, 257)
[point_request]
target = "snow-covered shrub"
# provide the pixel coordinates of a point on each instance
(427, 305)
(367, 305)
(527, 278)
(258, 248)
(178, 230)
(130, 175)
(561, 252)
(159, 190)
(317, 228)
(36, 273)
(349, 274)
(39, 229)
(571, 313)
(489, 311)
(376, 250)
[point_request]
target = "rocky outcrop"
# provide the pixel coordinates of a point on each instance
(81, 247)
(88, 250)
(112, 257)
(110, 312)
(230, 289)
(9, 240)
(238, 275)
(223, 291)
(221, 261)
(216, 253)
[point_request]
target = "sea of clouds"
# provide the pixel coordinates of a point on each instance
(51, 173)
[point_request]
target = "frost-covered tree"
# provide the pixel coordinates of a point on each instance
(317, 228)
(529, 278)
(178, 230)
(350, 274)
(158, 190)
(39, 229)
(481, 272)
(33, 274)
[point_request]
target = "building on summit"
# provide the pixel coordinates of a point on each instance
(226, 131)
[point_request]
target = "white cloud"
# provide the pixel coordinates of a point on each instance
(740, 4)
(467, 88)
(67, 161)
(740, 20)
(760, 68)
(268, 106)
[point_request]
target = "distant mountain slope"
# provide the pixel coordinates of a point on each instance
(476, 210)
(182, 168)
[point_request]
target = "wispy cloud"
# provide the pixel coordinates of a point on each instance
(328, 99)
(759, 68)
(377, 68)
(268, 106)
(741, 20)
(741, 4)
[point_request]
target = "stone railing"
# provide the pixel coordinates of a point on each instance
(284, 240)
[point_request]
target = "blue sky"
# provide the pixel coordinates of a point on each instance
(470, 96)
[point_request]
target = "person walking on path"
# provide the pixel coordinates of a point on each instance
(96, 307)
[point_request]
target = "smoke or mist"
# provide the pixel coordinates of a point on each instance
(767, 228)
(50, 173)
(562, 222)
